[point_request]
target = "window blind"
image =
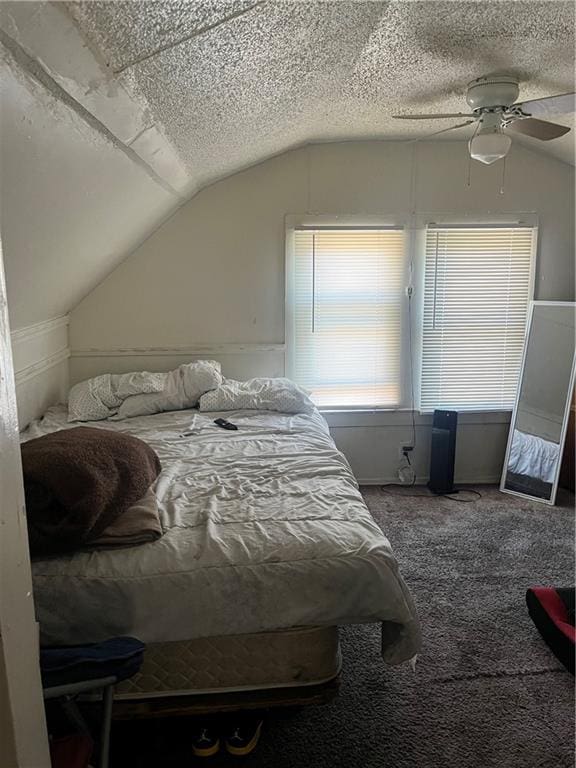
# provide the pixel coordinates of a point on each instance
(476, 294)
(347, 315)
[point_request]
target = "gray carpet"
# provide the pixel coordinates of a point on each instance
(487, 692)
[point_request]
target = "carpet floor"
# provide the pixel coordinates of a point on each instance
(486, 693)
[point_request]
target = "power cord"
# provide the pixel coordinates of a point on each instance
(412, 482)
(406, 454)
(407, 473)
(410, 289)
(449, 496)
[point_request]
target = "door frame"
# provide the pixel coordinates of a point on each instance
(22, 721)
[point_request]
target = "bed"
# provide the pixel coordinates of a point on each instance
(267, 548)
(532, 464)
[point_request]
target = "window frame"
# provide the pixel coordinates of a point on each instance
(421, 224)
(294, 222)
(415, 226)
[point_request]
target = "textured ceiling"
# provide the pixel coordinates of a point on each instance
(232, 83)
(115, 113)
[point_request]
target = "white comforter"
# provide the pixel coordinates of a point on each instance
(264, 529)
(533, 456)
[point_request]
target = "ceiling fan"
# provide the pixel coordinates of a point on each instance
(495, 110)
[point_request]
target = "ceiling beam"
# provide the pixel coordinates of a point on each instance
(33, 68)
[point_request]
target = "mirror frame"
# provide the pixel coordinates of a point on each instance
(552, 500)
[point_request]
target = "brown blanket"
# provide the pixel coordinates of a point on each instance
(78, 482)
(139, 524)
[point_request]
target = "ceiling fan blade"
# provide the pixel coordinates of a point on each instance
(432, 117)
(551, 105)
(538, 129)
(444, 130)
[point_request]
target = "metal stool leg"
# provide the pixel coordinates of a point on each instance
(107, 702)
(71, 710)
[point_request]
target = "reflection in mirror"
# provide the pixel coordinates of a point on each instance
(538, 426)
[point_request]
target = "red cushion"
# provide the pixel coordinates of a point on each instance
(556, 610)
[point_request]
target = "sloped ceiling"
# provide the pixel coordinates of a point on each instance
(234, 82)
(171, 96)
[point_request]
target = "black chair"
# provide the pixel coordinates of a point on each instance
(71, 671)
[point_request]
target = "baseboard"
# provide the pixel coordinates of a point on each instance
(480, 480)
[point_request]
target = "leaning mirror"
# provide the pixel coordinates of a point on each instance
(540, 416)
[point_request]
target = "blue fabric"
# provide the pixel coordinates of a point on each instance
(119, 657)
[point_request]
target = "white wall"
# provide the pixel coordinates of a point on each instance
(71, 204)
(214, 273)
(72, 201)
(40, 353)
(74, 198)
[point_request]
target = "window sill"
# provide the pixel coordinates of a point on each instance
(403, 417)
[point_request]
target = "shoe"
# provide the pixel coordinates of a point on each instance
(242, 736)
(205, 740)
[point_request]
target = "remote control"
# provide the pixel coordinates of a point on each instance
(225, 424)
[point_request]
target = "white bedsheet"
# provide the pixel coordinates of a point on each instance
(264, 529)
(533, 456)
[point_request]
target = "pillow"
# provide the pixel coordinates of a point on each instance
(99, 398)
(92, 400)
(198, 378)
(261, 394)
(139, 405)
(182, 389)
(140, 382)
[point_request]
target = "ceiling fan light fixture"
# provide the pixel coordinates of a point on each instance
(489, 146)
(492, 100)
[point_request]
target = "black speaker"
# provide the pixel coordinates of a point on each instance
(443, 452)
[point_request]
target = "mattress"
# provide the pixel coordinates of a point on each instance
(263, 529)
(291, 658)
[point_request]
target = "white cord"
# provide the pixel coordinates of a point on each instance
(412, 403)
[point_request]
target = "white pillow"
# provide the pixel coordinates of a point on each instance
(140, 405)
(197, 378)
(92, 400)
(99, 398)
(182, 389)
(139, 383)
(260, 394)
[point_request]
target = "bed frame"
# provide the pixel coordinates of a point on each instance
(207, 704)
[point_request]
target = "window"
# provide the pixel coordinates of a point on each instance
(346, 289)
(477, 286)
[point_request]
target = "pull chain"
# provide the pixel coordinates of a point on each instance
(503, 179)
(478, 124)
(314, 282)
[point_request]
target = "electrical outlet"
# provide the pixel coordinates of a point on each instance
(404, 449)
(406, 475)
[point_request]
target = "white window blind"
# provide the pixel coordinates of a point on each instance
(347, 302)
(476, 294)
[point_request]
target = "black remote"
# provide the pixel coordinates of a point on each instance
(225, 424)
